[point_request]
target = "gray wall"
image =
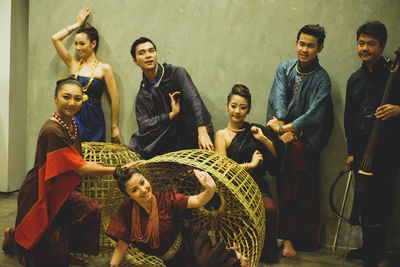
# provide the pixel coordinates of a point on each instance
(220, 43)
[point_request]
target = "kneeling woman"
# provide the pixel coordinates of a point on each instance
(249, 145)
(53, 219)
(152, 222)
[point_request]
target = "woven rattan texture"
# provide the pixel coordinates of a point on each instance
(97, 188)
(238, 221)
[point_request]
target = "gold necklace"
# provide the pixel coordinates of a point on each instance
(84, 89)
(162, 75)
(235, 130)
(303, 73)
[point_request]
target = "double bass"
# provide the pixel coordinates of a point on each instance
(366, 171)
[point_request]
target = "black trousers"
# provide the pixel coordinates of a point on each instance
(377, 208)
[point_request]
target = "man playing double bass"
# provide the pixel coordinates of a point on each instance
(365, 89)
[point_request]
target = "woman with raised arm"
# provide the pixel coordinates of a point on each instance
(251, 146)
(152, 222)
(93, 75)
(52, 218)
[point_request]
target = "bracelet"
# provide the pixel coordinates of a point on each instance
(69, 29)
(280, 130)
(245, 166)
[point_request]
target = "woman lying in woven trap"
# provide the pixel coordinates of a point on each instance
(152, 221)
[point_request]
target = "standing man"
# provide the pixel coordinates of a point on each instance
(169, 110)
(300, 113)
(365, 89)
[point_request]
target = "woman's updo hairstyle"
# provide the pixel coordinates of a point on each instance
(240, 90)
(91, 32)
(122, 176)
(66, 80)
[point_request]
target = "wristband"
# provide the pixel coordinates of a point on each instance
(280, 130)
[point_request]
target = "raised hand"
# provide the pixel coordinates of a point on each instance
(257, 133)
(175, 104)
(83, 15)
(205, 179)
(257, 159)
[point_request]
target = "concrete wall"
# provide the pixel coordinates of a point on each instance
(13, 80)
(220, 43)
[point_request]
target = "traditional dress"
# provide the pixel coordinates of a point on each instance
(241, 150)
(363, 96)
(53, 219)
(196, 248)
(157, 133)
(301, 97)
(90, 117)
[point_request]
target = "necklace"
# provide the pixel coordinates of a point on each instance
(235, 130)
(63, 124)
(84, 89)
(157, 82)
(304, 73)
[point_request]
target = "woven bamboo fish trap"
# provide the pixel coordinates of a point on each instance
(97, 188)
(239, 220)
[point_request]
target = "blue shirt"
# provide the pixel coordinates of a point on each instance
(311, 111)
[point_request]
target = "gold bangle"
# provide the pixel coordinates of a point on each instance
(245, 166)
(69, 29)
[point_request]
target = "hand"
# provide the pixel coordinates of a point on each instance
(82, 16)
(205, 179)
(274, 124)
(175, 104)
(115, 137)
(349, 162)
(287, 137)
(204, 139)
(244, 262)
(257, 133)
(386, 111)
(132, 164)
(257, 159)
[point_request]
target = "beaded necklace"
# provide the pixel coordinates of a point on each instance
(64, 125)
(84, 89)
(235, 130)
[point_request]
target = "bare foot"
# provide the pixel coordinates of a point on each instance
(77, 260)
(8, 242)
(288, 250)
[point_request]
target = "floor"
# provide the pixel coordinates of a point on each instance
(323, 257)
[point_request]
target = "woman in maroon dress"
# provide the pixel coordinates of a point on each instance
(152, 222)
(52, 218)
